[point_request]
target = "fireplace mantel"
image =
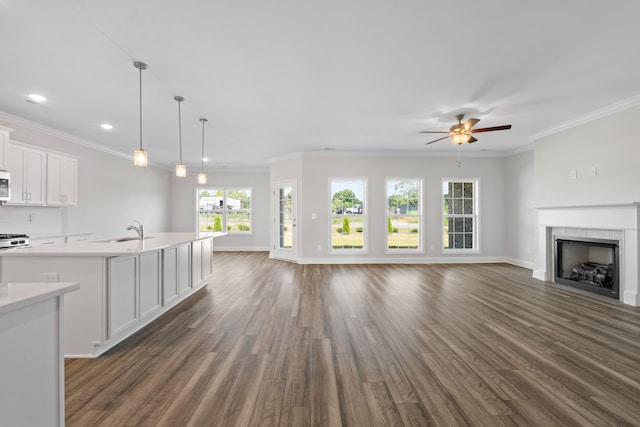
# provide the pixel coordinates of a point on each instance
(623, 217)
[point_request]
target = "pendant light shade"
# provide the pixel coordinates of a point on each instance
(202, 177)
(140, 156)
(181, 169)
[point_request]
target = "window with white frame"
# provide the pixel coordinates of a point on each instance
(225, 209)
(348, 214)
(404, 214)
(460, 215)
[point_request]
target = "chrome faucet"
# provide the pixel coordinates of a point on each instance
(139, 229)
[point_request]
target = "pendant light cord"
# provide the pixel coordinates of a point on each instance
(140, 107)
(202, 167)
(180, 129)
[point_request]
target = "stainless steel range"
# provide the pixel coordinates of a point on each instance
(8, 241)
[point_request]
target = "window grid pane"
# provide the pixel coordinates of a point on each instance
(459, 215)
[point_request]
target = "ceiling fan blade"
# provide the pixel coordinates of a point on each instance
(491, 129)
(470, 123)
(471, 141)
(436, 140)
(432, 131)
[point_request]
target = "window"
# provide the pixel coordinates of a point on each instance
(404, 228)
(225, 210)
(460, 207)
(348, 215)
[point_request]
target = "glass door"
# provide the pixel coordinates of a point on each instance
(285, 227)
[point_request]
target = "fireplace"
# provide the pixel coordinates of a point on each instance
(617, 221)
(588, 264)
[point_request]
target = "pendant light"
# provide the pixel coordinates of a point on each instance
(181, 169)
(202, 177)
(140, 156)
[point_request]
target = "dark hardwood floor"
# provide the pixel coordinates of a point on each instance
(273, 343)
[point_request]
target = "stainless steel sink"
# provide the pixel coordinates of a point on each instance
(119, 240)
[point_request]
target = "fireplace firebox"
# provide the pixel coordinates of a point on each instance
(588, 264)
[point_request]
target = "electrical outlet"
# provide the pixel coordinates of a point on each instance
(573, 174)
(593, 171)
(50, 277)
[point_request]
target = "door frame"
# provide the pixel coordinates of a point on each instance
(277, 251)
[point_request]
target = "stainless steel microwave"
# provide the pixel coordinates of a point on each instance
(5, 186)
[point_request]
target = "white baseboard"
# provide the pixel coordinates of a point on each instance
(408, 260)
(540, 275)
(217, 248)
(520, 263)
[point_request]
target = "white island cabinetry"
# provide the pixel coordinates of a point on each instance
(126, 285)
(176, 262)
(122, 289)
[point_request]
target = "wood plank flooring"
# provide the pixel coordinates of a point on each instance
(271, 343)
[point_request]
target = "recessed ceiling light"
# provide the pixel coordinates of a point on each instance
(204, 159)
(34, 97)
(106, 126)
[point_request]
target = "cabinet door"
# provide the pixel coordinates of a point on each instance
(207, 258)
(69, 181)
(196, 263)
(27, 167)
(170, 275)
(36, 177)
(17, 168)
(123, 295)
(61, 180)
(4, 147)
(149, 283)
(184, 268)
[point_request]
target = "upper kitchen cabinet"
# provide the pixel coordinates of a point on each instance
(28, 168)
(62, 172)
(4, 147)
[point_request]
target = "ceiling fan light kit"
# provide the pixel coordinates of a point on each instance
(460, 133)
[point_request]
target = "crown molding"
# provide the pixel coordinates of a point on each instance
(625, 104)
(28, 124)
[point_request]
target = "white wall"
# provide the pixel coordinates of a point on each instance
(521, 216)
(184, 213)
(111, 194)
(313, 172)
(610, 144)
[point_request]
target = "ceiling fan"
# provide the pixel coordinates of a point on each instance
(461, 133)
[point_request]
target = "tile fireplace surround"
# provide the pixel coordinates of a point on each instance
(615, 221)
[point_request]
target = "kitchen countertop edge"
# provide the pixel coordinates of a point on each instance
(26, 294)
(100, 248)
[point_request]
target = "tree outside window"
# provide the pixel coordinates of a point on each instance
(348, 214)
(404, 228)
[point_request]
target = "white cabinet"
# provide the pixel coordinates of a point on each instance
(122, 294)
(184, 268)
(150, 280)
(202, 262)
(62, 180)
(176, 272)
(28, 175)
(4, 147)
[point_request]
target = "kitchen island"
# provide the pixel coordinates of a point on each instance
(126, 282)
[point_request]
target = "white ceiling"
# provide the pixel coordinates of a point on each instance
(283, 76)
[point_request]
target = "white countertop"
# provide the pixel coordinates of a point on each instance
(102, 247)
(14, 296)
